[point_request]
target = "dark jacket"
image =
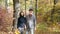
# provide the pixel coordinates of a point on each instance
(21, 22)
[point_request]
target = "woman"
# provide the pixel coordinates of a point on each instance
(21, 22)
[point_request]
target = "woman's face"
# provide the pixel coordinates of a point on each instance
(22, 14)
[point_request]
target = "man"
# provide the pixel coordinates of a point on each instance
(31, 22)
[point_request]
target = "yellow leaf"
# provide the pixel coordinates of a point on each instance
(17, 31)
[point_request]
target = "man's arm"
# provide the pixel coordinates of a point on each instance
(34, 21)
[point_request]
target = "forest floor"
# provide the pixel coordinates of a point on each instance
(43, 29)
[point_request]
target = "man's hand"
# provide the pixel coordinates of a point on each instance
(35, 28)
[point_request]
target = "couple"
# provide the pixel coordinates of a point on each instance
(28, 22)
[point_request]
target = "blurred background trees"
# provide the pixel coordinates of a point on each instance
(46, 11)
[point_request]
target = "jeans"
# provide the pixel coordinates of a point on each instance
(21, 30)
(31, 31)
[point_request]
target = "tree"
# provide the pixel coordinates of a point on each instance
(16, 5)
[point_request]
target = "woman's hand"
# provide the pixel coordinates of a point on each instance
(25, 27)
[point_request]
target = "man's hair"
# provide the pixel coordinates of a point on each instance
(30, 9)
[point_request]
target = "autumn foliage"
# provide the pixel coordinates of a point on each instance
(6, 20)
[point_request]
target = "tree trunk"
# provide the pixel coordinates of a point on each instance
(16, 5)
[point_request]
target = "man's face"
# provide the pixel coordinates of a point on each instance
(30, 12)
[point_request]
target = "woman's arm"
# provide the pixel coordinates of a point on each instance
(18, 23)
